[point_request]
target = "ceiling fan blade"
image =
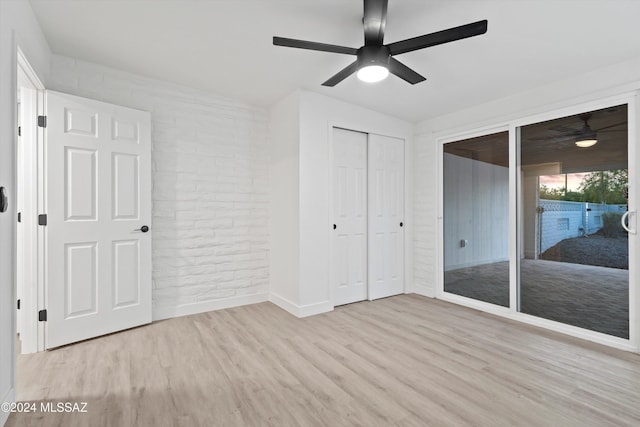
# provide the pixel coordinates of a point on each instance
(440, 37)
(375, 19)
(405, 73)
(552, 139)
(323, 47)
(342, 74)
(565, 129)
(611, 126)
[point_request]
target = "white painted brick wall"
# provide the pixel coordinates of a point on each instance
(425, 206)
(210, 159)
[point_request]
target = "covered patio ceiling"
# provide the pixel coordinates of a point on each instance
(553, 141)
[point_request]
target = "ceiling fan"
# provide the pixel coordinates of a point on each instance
(583, 137)
(375, 60)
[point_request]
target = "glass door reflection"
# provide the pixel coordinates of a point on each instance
(476, 218)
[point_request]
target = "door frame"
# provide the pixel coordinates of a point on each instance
(32, 331)
(408, 203)
(632, 99)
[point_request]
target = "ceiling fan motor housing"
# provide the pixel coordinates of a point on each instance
(374, 55)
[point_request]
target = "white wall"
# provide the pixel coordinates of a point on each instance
(284, 134)
(210, 159)
(318, 114)
(18, 27)
(476, 209)
(588, 87)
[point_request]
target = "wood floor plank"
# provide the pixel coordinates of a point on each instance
(400, 361)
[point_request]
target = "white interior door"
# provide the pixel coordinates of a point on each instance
(98, 197)
(386, 216)
(349, 238)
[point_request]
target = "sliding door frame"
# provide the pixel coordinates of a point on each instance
(632, 100)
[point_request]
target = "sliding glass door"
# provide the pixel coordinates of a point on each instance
(535, 223)
(574, 265)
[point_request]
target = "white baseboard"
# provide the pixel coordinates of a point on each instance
(10, 397)
(317, 308)
(161, 313)
(424, 290)
(300, 310)
(284, 304)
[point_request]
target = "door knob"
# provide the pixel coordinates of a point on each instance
(4, 204)
(401, 224)
(335, 226)
(144, 229)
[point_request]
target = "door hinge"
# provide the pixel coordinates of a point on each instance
(19, 216)
(42, 121)
(42, 316)
(18, 304)
(42, 219)
(19, 130)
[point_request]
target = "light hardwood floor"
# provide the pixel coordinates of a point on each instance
(400, 361)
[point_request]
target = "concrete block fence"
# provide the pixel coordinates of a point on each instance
(564, 220)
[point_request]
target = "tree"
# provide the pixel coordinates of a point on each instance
(605, 186)
(573, 196)
(551, 193)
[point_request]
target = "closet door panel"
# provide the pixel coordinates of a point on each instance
(386, 216)
(349, 216)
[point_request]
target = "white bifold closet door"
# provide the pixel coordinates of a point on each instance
(367, 214)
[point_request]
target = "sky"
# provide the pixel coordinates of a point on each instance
(557, 181)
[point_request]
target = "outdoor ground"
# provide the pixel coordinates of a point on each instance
(595, 298)
(593, 250)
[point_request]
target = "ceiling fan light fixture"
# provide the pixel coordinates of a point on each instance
(373, 73)
(587, 137)
(585, 142)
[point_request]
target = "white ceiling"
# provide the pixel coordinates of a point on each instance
(224, 47)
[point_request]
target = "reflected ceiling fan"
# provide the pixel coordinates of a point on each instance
(584, 137)
(374, 60)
